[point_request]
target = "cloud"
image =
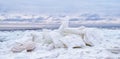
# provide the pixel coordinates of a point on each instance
(61, 6)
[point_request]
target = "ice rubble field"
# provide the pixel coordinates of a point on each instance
(106, 44)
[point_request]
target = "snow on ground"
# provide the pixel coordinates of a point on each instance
(108, 49)
(62, 43)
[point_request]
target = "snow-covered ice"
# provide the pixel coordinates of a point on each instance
(63, 43)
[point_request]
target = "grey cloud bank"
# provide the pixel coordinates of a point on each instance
(60, 6)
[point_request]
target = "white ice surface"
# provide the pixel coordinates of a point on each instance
(109, 47)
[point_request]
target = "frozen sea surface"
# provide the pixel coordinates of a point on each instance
(109, 49)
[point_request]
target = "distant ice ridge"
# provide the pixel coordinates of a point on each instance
(53, 21)
(63, 43)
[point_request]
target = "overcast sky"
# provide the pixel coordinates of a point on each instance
(60, 6)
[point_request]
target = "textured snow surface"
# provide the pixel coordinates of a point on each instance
(62, 43)
(108, 48)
